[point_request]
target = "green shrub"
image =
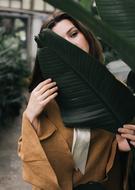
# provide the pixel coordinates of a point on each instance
(13, 77)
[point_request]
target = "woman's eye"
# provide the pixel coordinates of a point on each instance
(74, 34)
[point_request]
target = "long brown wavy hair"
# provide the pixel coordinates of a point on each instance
(95, 47)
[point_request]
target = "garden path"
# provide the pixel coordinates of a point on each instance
(10, 164)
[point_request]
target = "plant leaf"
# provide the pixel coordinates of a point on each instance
(120, 14)
(86, 4)
(85, 100)
(125, 48)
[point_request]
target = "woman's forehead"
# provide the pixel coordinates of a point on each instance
(63, 27)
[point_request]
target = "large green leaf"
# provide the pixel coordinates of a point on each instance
(120, 14)
(124, 47)
(86, 3)
(85, 100)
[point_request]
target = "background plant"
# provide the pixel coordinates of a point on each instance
(13, 76)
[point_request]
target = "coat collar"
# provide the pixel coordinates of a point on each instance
(54, 115)
(46, 128)
(30, 148)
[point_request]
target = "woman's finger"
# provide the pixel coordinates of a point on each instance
(129, 126)
(48, 93)
(122, 143)
(49, 98)
(46, 87)
(129, 136)
(126, 131)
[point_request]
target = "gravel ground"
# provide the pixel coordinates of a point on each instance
(10, 164)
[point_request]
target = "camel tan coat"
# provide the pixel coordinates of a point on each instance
(48, 163)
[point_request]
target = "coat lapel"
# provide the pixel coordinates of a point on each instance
(55, 118)
(46, 128)
(31, 148)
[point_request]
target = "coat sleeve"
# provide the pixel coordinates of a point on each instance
(36, 167)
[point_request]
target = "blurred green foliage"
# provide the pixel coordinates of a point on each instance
(86, 4)
(13, 76)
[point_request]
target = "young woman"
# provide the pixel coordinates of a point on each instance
(53, 157)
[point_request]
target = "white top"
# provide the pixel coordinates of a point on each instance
(119, 69)
(80, 148)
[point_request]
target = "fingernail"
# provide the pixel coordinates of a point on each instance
(49, 80)
(119, 129)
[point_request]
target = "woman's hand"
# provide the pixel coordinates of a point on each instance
(40, 97)
(126, 133)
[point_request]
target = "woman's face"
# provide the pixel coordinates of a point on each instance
(69, 32)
